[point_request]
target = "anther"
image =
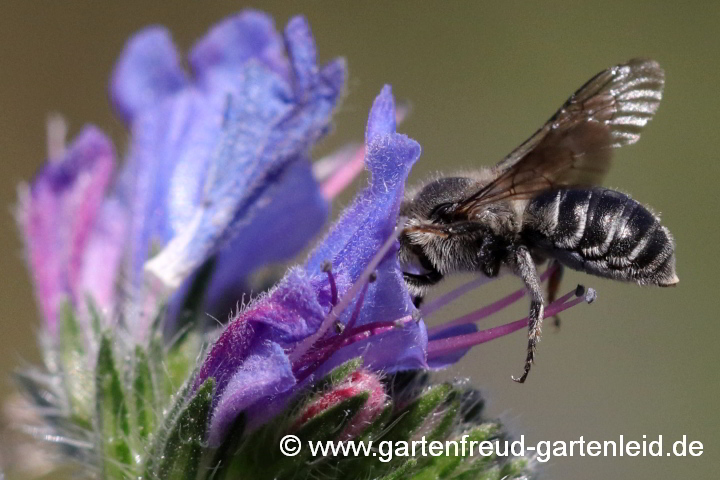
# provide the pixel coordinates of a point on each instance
(326, 266)
(580, 290)
(339, 327)
(591, 295)
(372, 277)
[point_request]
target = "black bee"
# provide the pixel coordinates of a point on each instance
(542, 202)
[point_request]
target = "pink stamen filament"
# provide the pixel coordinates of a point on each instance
(491, 309)
(451, 296)
(327, 346)
(344, 175)
(301, 348)
(444, 346)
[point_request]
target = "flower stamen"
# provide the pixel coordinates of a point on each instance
(302, 347)
(451, 296)
(491, 309)
(445, 346)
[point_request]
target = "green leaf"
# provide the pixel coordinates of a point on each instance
(112, 415)
(338, 374)
(156, 363)
(172, 410)
(183, 448)
(143, 395)
(181, 358)
(96, 319)
(449, 417)
(414, 415)
(74, 364)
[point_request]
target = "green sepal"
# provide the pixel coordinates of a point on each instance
(401, 472)
(449, 418)
(96, 318)
(413, 417)
(173, 408)
(185, 442)
(260, 458)
(111, 415)
(74, 364)
(143, 396)
(181, 358)
(156, 363)
(338, 374)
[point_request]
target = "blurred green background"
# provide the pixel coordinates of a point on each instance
(481, 78)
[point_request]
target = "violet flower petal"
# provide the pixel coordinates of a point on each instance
(148, 70)
(274, 223)
(364, 227)
(295, 309)
(366, 224)
(288, 313)
(264, 373)
(222, 54)
(225, 142)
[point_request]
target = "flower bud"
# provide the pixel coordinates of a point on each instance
(360, 382)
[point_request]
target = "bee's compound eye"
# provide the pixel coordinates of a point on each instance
(442, 211)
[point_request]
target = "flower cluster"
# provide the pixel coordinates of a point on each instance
(218, 182)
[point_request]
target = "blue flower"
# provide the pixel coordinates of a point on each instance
(217, 160)
(348, 300)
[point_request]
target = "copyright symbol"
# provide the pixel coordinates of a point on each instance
(290, 445)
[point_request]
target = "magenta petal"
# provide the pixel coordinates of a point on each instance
(148, 70)
(103, 257)
(58, 216)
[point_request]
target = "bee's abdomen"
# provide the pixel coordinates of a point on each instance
(602, 232)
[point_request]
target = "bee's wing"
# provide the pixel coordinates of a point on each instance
(574, 147)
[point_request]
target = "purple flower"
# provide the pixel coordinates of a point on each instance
(348, 301)
(218, 157)
(351, 281)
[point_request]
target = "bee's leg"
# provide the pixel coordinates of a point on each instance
(554, 286)
(524, 267)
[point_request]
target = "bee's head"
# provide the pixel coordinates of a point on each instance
(434, 202)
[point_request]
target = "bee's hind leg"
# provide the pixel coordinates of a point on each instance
(554, 286)
(524, 267)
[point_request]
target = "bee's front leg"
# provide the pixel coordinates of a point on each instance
(524, 267)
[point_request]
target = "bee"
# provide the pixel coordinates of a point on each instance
(543, 202)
